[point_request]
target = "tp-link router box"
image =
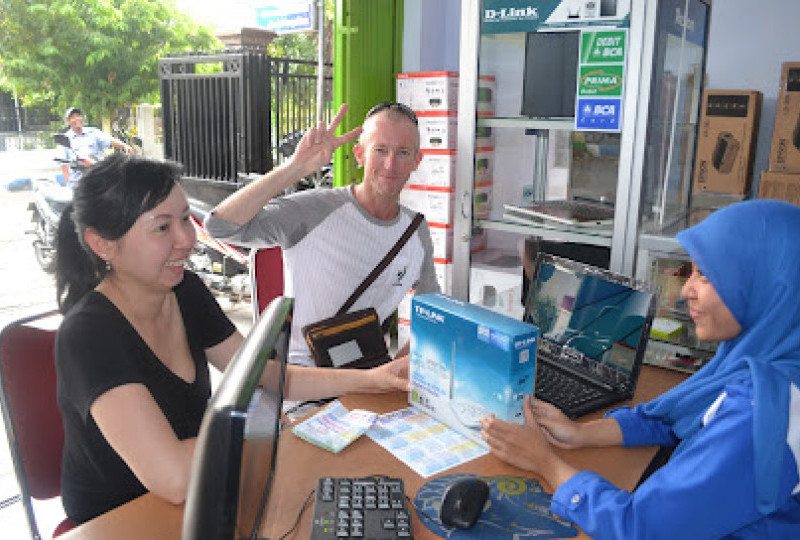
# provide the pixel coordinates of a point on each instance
(468, 362)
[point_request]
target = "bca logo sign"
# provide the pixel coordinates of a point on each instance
(600, 109)
(598, 114)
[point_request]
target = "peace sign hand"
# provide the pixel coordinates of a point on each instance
(316, 147)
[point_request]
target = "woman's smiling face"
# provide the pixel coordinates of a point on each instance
(713, 320)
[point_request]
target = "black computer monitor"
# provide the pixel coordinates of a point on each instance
(234, 459)
(550, 74)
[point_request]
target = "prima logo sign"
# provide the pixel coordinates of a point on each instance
(600, 81)
(504, 14)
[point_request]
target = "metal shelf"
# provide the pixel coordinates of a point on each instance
(549, 232)
(526, 123)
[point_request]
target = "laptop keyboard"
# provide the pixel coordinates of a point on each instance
(582, 210)
(565, 392)
(371, 507)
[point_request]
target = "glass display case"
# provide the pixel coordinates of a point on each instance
(673, 342)
(591, 102)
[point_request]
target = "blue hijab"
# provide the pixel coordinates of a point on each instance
(750, 252)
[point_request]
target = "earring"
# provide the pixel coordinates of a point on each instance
(108, 266)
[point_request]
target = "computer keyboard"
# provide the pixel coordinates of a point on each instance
(370, 507)
(558, 388)
(582, 210)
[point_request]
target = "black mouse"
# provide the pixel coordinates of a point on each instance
(463, 501)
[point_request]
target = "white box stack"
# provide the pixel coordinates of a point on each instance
(433, 95)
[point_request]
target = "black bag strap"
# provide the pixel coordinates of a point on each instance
(382, 265)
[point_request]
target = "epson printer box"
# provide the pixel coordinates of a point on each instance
(468, 362)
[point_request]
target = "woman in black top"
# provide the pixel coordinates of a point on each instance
(138, 334)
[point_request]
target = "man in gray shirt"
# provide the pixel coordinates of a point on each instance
(333, 238)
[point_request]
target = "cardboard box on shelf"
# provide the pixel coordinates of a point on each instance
(403, 332)
(442, 239)
(785, 151)
(468, 362)
(487, 88)
(436, 203)
(482, 204)
(438, 91)
(484, 163)
(726, 141)
(404, 307)
(780, 185)
(484, 135)
(437, 168)
(428, 90)
(444, 274)
(438, 129)
(495, 282)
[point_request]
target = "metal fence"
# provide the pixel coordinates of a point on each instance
(226, 114)
(294, 100)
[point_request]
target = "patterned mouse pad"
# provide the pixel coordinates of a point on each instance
(517, 508)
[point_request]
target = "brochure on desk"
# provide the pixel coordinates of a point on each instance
(420, 441)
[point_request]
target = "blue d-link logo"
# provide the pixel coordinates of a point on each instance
(501, 14)
(430, 315)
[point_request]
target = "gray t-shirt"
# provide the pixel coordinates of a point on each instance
(330, 244)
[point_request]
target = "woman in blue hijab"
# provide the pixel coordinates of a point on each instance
(735, 424)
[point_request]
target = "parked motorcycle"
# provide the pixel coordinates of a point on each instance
(224, 268)
(49, 200)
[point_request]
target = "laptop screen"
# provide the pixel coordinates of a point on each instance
(593, 319)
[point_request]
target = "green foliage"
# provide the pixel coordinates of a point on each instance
(99, 55)
(296, 46)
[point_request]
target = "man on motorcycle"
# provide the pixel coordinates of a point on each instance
(85, 142)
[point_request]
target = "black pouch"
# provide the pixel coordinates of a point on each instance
(350, 340)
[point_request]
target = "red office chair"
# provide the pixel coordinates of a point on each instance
(30, 411)
(266, 277)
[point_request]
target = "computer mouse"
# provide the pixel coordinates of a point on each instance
(463, 502)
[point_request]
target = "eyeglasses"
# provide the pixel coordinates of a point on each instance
(395, 106)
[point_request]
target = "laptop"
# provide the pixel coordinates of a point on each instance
(594, 325)
(575, 212)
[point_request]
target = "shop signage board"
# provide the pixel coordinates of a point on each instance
(601, 80)
(285, 16)
(509, 16)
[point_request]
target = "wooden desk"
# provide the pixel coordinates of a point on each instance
(300, 464)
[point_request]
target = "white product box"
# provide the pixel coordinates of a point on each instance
(403, 332)
(438, 129)
(484, 164)
(428, 90)
(444, 274)
(468, 362)
(495, 282)
(437, 168)
(482, 205)
(438, 91)
(487, 88)
(484, 136)
(442, 238)
(436, 203)
(404, 307)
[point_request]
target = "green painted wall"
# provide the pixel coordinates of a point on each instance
(368, 44)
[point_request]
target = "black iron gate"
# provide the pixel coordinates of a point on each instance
(225, 115)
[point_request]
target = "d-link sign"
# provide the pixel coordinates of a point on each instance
(503, 16)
